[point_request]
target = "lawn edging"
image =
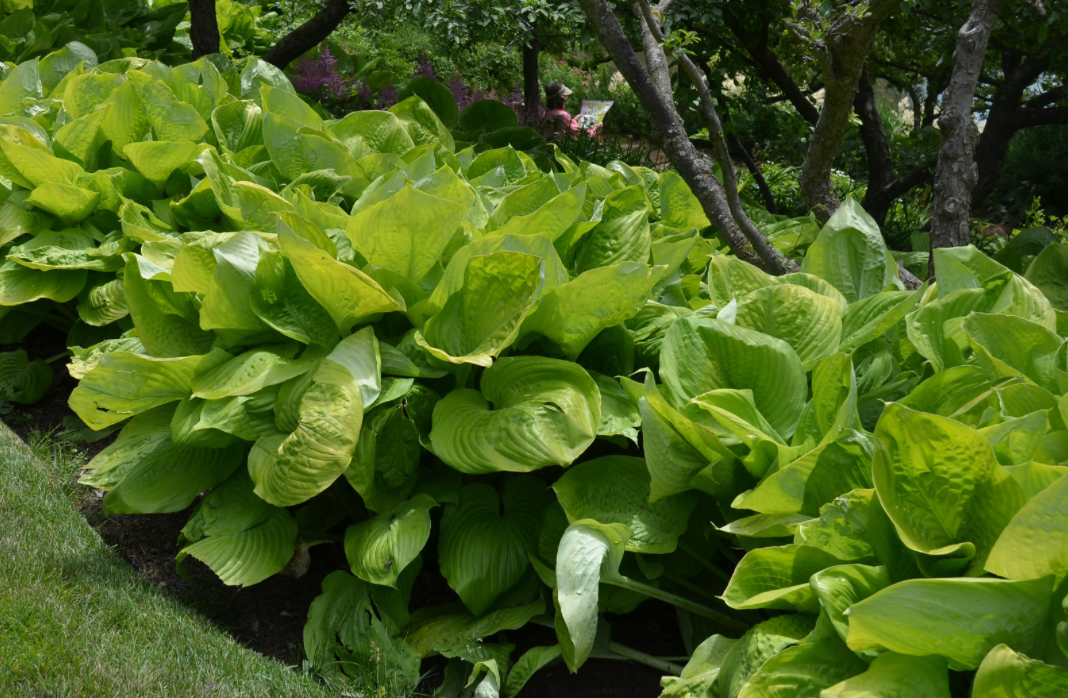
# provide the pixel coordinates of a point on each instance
(76, 620)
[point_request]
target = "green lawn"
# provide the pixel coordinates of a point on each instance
(75, 620)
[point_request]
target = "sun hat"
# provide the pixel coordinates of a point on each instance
(556, 89)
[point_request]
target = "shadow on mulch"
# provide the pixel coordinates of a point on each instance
(269, 617)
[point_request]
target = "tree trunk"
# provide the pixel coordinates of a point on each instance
(773, 70)
(656, 59)
(203, 28)
(917, 109)
(883, 187)
(747, 159)
(674, 139)
(957, 172)
(531, 88)
(1009, 113)
(873, 134)
(845, 50)
(308, 35)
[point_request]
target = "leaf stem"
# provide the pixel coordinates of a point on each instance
(689, 550)
(462, 375)
(675, 600)
(57, 357)
(646, 659)
(689, 585)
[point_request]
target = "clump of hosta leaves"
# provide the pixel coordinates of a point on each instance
(457, 352)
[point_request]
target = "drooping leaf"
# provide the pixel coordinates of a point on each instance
(532, 412)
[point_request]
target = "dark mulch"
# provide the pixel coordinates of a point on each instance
(269, 617)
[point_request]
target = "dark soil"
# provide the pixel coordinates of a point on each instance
(269, 617)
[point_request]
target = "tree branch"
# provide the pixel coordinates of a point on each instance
(674, 139)
(203, 27)
(707, 108)
(308, 35)
(957, 172)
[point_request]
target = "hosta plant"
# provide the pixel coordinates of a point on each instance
(538, 379)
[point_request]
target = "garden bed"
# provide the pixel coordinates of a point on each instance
(269, 617)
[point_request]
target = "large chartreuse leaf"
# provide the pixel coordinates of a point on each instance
(959, 619)
(810, 323)
(145, 472)
(242, 538)
(282, 303)
(379, 548)
(1049, 273)
(485, 538)
(815, 478)
(367, 132)
(124, 384)
(453, 278)
(532, 412)
(762, 642)
(348, 629)
(621, 236)
(63, 249)
(615, 489)
(679, 208)
(940, 484)
(156, 160)
(702, 354)
(1006, 673)
(777, 578)
(292, 468)
(422, 124)
(407, 232)
(572, 314)
(171, 119)
(875, 315)
(23, 381)
(250, 372)
(804, 670)
(350, 296)
(850, 253)
(500, 290)
(1035, 543)
(20, 284)
(24, 81)
(552, 219)
(585, 548)
(1007, 346)
(217, 423)
(226, 302)
(166, 322)
(386, 461)
(837, 588)
(681, 453)
(441, 627)
(894, 675)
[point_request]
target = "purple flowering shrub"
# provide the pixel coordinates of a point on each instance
(319, 77)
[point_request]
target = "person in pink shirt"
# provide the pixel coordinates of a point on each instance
(556, 115)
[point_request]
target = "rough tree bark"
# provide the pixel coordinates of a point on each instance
(674, 139)
(841, 52)
(531, 87)
(957, 172)
(883, 187)
(750, 164)
(203, 27)
(308, 35)
(652, 38)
